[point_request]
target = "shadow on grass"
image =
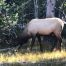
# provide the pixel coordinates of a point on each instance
(56, 62)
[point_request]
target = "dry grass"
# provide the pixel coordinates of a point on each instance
(31, 57)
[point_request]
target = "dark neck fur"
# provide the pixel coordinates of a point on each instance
(24, 37)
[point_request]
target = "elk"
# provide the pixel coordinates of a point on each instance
(42, 27)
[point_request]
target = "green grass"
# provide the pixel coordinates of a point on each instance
(31, 57)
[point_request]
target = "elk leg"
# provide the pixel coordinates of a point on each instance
(39, 40)
(59, 40)
(59, 43)
(54, 42)
(33, 41)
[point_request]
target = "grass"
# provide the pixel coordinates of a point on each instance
(31, 57)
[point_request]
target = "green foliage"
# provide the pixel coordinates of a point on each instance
(65, 7)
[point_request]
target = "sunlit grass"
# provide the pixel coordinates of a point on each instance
(32, 57)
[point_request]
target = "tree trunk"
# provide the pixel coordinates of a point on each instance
(36, 8)
(50, 8)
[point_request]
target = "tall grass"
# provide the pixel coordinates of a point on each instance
(31, 57)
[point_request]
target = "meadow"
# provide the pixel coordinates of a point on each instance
(34, 58)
